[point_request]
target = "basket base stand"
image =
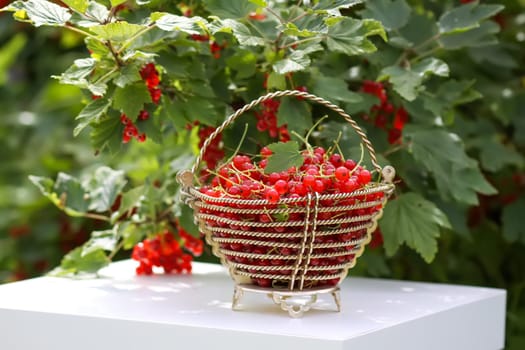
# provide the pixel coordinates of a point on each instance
(296, 303)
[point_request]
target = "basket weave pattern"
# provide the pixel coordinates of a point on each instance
(317, 238)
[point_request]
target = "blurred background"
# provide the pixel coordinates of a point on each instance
(37, 119)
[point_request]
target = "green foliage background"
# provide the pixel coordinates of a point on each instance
(471, 79)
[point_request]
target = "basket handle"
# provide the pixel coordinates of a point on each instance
(308, 96)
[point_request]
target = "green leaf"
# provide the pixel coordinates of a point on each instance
(130, 99)
(41, 12)
(240, 31)
(127, 75)
(393, 14)
(412, 220)
(294, 113)
(100, 240)
(349, 36)
(107, 133)
(9, 53)
(77, 5)
(91, 113)
(477, 37)
(201, 109)
(128, 201)
(296, 61)
(260, 3)
(244, 62)
(104, 187)
(230, 9)
(116, 31)
(285, 155)
(78, 74)
(72, 195)
(456, 175)
(188, 25)
(74, 263)
(420, 29)
(466, 17)
(512, 218)
(276, 81)
(131, 234)
(494, 156)
(334, 89)
(96, 11)
(333, 7)
(407, 82)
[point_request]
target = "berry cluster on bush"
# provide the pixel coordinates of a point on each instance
(385, 115)
(322, 172)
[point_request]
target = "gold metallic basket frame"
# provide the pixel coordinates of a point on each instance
(293, 254)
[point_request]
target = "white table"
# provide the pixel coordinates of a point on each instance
(123, 311)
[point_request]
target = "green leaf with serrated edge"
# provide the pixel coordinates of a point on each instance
(407, 82)
(333, 7)
(334, 89)
(130, 99)
(77, 5)
(91, 113)
(115, 3)
(103, 187)
(78, 71)
(188, 25)
(296, 114)
(107, 133)
(128, 201)
(466, 183)
(296, 61)
(41, 12)
(466, 17)
(116, 31)
(73, 263)
(349, 36)
(456, 175)
(71, 194)
(512, 218)
(127, 75)
(230, 9)
(97, 11)
(100, 240)
(477, 37)
(494, 156)
(96, 48)
(393, 14)
(276, 81)
(412, 220)
(240, 31)
(285, 155)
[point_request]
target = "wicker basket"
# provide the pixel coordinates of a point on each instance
(304, 256)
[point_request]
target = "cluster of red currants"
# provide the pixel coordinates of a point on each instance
(214, 153)
(150, 75)
(322, 172)
(215, 48)
(165, 251)
(383, 112)
(267, 121)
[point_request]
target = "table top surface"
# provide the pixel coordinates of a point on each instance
(203, 299)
